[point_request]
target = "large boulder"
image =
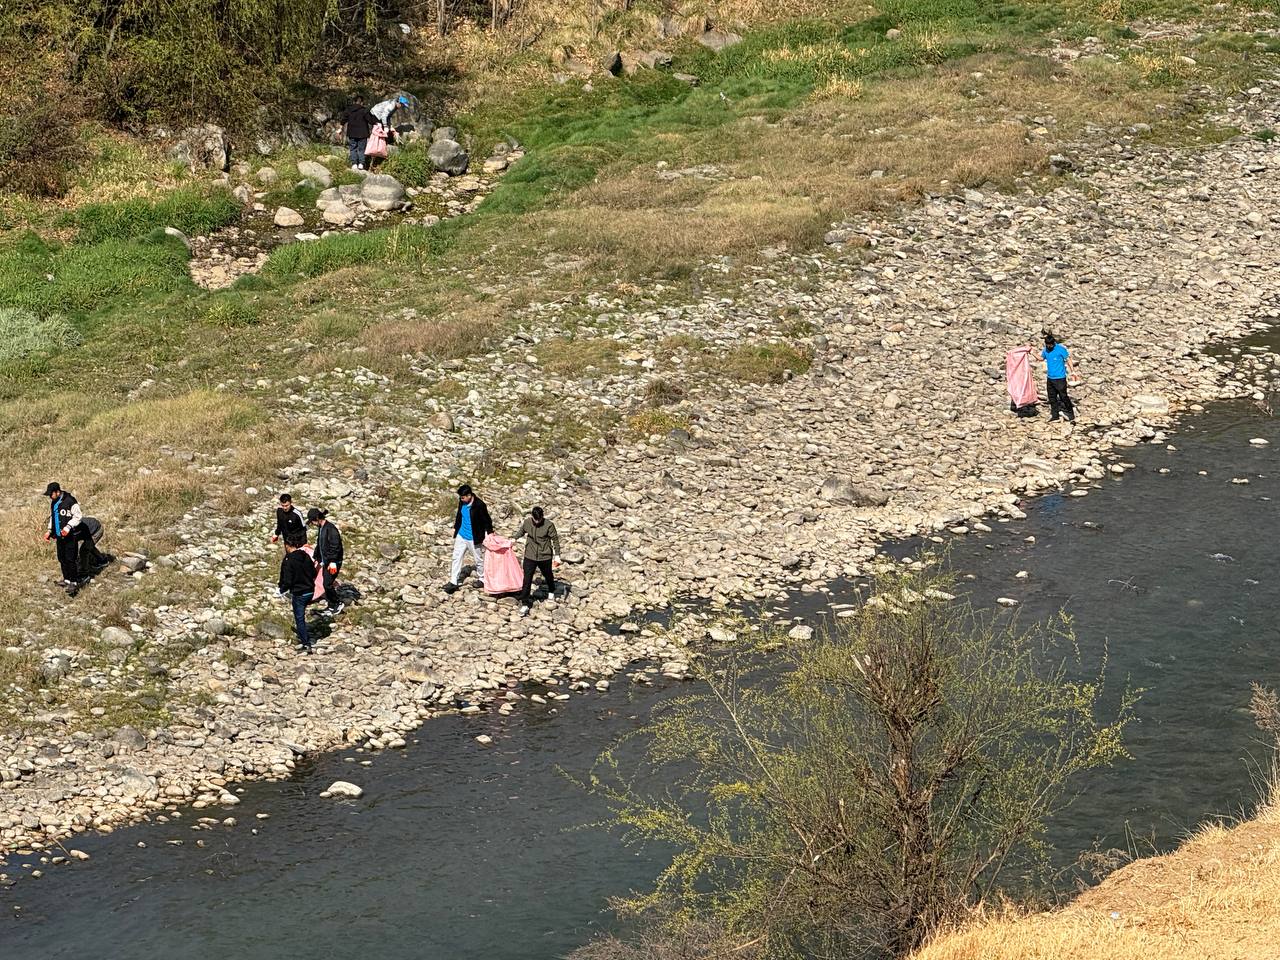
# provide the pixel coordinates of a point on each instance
(381, 192)
(316, 172)
(202, 148)
(449, 157)
(841, 490)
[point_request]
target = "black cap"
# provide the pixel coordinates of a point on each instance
(52, 488)
(315, 514)
(464, 489)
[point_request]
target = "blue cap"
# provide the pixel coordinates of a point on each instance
(404, 100)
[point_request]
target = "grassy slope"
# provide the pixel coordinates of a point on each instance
(789, 126)
(1215, 898)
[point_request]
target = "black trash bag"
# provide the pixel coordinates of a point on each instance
(90, 559)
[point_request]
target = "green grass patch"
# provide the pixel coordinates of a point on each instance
(403, 244)
(45, 278)
(193, 210)
(24, 334)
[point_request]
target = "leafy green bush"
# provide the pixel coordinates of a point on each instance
(193, 210)
(410, 165)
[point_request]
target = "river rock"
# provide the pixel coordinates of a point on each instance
(449, 157)
(1151, 405)
(133, 562)
(840, 490)
(179, 236)
(389, 551)
(444, 133)
(381, 192)
(128, 740)
(267, 176)
(116, 637)
(339, 214)
(343, 788)
(288, 217)
(316, 172)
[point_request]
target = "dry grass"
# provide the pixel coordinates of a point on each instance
(1215, 898)
(565, 357)
(763, 363)
(647, 423)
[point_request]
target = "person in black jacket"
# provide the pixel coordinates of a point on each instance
(288, 520)
(67, 528)
(298, 583)
(471, 524)
(329, 555)
(358, 122)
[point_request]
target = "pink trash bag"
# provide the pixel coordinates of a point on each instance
(319, 590)
(377, 145)
(1019, 380)
(503, 573)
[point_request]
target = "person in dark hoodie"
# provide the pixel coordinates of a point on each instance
(541, 552)
(288, 520)
(328, 555)
(66, 527)
(298, 583)
(471, 524)
(358, 123)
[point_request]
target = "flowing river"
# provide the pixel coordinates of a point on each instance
(484, 853)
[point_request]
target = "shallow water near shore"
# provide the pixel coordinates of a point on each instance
(463, 851)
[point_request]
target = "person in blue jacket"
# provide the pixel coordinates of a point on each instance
(1057, 363)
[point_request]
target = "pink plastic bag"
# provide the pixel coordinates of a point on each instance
(1017, 372)
(377, 145)
(503, 573)
(319, 589)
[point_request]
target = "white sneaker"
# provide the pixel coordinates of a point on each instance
(355, 166)
(524, 610)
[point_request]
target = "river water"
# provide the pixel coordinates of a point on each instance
(461, 851)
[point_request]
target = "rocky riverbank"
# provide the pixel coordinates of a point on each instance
(896, 425)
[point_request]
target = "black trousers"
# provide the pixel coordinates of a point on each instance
(547, 574)
(1059, 402)
(330, 581)
(69, 553)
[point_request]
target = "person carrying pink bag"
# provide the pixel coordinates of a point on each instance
(541, 552)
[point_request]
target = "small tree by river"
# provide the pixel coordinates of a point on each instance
(869, 789)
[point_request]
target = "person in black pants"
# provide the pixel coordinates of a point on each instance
(66, 527)
(541, 552)
(298, 583)
(329, 555)
(1058, 367)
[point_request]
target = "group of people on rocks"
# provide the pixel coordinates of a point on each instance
(310, 572)
(360, 124)
(306, 571)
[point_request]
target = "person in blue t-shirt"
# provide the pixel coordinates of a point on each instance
(1057, 363)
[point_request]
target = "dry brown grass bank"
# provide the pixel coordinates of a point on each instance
(1215, 898)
